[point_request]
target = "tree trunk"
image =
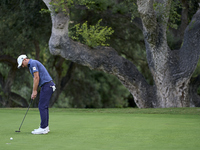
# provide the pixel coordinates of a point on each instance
(171, 70)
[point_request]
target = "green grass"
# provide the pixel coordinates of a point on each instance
(103, 129)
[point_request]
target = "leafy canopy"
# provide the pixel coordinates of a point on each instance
(94, 35)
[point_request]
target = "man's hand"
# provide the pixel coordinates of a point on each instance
(33, 95)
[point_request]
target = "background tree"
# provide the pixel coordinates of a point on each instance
(18, 20)
(171, 69)
(24, 30)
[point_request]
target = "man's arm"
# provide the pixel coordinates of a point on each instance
(35, 84)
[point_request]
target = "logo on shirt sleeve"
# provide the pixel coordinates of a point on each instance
(34, 68)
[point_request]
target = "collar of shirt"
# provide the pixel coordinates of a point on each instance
(29, 63)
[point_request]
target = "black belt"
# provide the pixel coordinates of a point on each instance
(46, 83)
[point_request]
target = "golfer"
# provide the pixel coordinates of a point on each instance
(41, 78)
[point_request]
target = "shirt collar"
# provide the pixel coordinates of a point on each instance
(29, 63)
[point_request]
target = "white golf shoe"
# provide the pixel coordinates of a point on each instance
(41, 130)
(45, 128)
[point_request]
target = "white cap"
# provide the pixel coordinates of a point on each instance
(20, 59)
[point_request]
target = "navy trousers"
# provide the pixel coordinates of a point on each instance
(45, 96)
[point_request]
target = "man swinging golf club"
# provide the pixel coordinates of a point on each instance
(41, 78)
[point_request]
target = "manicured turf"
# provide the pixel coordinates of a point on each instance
(103, 129)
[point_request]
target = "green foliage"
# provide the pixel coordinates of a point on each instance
(132, 8)
(4, 69)
(125, 7)
(175, 11)
(100, 5)
(43, 11)
(63, 102)
(24, 25)
(193, 7)
(93, 89)
(21, 24)
(127, 39)
(174, 14)
(172, 41)
(94, 35)
(63, 5)
(60, 5)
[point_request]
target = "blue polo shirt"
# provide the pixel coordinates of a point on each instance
(36, 66)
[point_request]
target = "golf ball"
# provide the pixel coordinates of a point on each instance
(11, 138)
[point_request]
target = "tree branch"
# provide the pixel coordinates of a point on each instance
(68, 76)
(101, 58)
(184, 18)
(189, 52)
(8, 59)
(18, 99)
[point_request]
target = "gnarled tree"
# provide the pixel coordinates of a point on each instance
(171, 69)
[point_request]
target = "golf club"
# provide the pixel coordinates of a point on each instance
(24, 116)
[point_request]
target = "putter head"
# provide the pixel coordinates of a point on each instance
(17, 131)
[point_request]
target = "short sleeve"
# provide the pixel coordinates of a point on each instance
(34, 67)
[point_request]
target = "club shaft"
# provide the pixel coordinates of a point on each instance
(25, 114)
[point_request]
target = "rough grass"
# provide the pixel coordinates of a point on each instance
(103, 129)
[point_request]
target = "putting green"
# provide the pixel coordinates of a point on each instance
(103, 129)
